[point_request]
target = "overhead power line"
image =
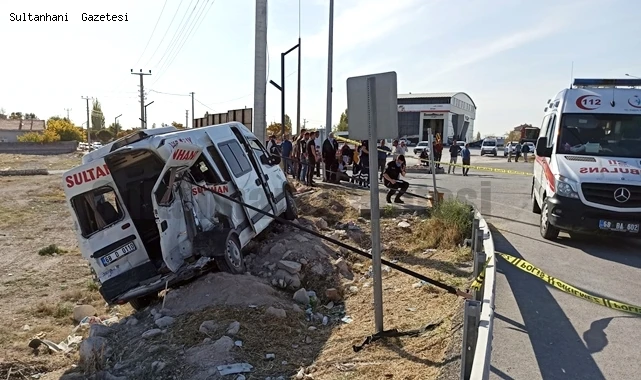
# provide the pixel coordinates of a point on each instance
(179, 30)
(168, 93)
(164, 35)
(152, 33)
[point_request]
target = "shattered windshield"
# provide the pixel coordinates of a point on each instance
(601, 135)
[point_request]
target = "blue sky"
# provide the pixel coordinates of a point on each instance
(510, 56)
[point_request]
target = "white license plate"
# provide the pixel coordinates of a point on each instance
(619, 226)
(118, 253)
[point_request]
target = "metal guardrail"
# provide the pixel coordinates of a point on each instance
(478, 316)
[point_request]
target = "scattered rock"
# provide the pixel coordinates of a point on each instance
(301, 296)
(278, 313)
(303, 261)
(404, 225)
(151, 333)
(270, 356)
(238, 343)
(240, 377)
(332, 294)
(82, 311)
(163, 322)
(26, 328)
(301, 239)
(297, 308)
(353, 289)
(308, 340)
(207, 340)
(99, 330)
(233, 328)
(224, 344)
(322, 224)
(318, 269)
(285, 279)
(290, 266)
(343, 268)
(207, 327)
(131, 321)
(278, 249)
(92, 349)
(157, 366)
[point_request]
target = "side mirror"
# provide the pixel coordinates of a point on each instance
(274, 160)
(264, 159)
(542, 147)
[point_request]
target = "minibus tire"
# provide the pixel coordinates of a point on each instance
(144, 301)
(548, 231)
(225, 262)
(291, 212)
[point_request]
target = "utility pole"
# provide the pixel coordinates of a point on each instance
(88, 121)
(260, 71)
(193, 118)
(116, 124)
(304, 124)
(186, 117)
(330, 63)
(68, 109)
(142, 98)
(298, 85)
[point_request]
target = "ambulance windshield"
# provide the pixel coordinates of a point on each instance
(600, 135)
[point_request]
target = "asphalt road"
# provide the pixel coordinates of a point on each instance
(540, 332)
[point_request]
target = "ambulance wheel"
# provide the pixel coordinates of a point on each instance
(232, 259)
(535, 205)
(291, 212)
(548, 231)
(142, 302)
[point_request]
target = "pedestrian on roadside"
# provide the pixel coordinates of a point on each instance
(517, 151)
(330, 147)
(286, 151)
(365, 172)
(316, 137)
(509, 152)
(304, 164)
(466, 156)
(312, 158)
(392, 180)
(525, 149)
(438, 151)
(401, 149)
(455, 149)
(383, 152)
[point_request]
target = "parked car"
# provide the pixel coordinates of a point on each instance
(489, 147)
(147, 216)
(420, 146)
(509, 147)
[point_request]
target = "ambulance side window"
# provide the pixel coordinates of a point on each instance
(96, 210)
(220, 164)
(550, 131)
(235, 157)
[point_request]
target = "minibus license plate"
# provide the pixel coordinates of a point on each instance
(618, 226)
(118, 253)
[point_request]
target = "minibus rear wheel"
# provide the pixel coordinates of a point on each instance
(142, 302)
(232, 259)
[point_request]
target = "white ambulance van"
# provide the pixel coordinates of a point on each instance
(146, 214)
(587, 173)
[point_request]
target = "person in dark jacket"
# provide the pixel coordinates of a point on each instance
(311, 159)
(392, 180)
(383, 151)
(329, 149)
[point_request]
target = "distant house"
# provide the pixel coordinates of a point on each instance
(11, 129)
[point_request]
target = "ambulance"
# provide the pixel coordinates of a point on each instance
(157, 207)
(587, 173)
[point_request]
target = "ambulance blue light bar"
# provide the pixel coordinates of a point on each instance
(607, 82)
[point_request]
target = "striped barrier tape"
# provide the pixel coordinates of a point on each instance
(443, 163)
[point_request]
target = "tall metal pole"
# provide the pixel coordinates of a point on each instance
(193, 118)
(330, 63)
(88, 121)
(186, 117)
(260, 71)
(430, 138)
(298, 94)
(282, 93)
(374, 202)
(116, 124)
(143, 118)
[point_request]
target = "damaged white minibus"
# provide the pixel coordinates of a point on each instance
(146, 212)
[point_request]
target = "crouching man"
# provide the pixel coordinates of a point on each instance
(392, 180)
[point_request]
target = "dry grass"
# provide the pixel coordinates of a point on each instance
(329, 205)
(51, 162)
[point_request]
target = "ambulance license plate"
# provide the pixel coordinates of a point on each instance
(118, 253)
(619, 226)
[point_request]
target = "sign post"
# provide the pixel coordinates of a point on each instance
(430, 138)
(373, 114)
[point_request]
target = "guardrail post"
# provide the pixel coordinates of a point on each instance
(475, 232)
(479, 262)
(479, 240)
(471, 320)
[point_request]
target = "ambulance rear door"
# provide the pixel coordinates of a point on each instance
(168, 205)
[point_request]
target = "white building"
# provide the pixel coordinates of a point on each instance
(450, 114)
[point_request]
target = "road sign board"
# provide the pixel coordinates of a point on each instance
(386, 106)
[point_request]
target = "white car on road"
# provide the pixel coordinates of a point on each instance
(420, 146)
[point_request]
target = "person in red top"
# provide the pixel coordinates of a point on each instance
(438, 151)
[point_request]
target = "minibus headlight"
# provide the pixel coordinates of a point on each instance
(566, 187)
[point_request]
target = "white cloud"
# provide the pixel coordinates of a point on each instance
(361, 24)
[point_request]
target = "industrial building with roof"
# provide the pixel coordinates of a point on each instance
(449, 114)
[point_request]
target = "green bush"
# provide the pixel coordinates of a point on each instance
(457, 213)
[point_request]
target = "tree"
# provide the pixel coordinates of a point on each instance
(114, 128)
(177, 125)
(515, 135)
(65, 129)
(97, 117)
(478, 136)
(277, 130)
(342, 124)
(153, 125)
(35, 137)
(15, 116)
(104, 135)
(126, 132)
(30, 116)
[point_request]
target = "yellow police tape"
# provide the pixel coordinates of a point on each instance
(478, 281)
(443, 163)
(560, 285)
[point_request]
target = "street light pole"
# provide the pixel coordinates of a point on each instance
(147, 105)
(282, 86)
(330, 67)
(116, 124)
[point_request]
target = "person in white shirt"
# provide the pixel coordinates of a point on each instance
(400, 149)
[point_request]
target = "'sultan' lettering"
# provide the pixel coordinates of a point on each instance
(222, 189)
(183, 155)
(610, 171)
(87, 176)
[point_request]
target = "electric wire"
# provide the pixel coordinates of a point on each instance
(179, 30)
(164, 35)
(152, 34)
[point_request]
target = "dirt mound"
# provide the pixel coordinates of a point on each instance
(329, 204)
(220, 289)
